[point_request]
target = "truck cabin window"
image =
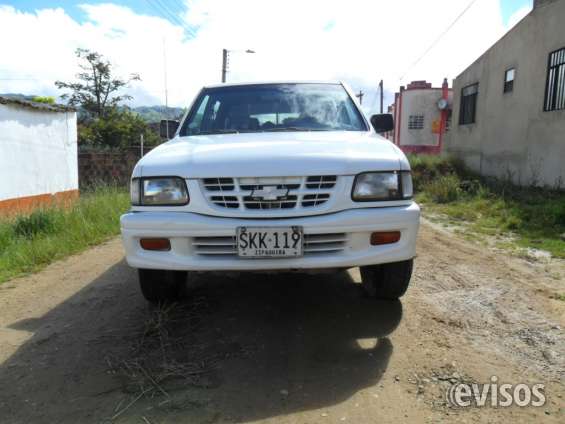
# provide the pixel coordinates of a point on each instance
(271, 108)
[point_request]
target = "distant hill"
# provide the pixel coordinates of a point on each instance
(156, 113)
(17, 96)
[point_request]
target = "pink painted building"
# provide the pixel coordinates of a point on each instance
(422, 117)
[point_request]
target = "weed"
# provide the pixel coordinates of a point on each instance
(535, 216)
(39, 222)
(444, 189)
(29, 242)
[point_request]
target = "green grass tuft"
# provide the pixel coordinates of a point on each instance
(534, 217)
(443, 189)
(30, 242)
(39, 222)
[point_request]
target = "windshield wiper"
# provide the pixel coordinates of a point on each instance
(294, 129)
(218, 132)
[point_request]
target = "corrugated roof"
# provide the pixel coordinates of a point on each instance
(35, 105)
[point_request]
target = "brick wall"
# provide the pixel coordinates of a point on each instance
(106, 167)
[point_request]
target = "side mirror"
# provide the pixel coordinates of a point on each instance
(168, 128)
(382, 122)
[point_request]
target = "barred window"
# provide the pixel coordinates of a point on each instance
(416, 122)
(555, 84)
(509, 80)
(468, 108)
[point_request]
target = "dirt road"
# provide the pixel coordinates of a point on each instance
(79, 344)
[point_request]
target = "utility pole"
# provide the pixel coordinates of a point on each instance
(226, 58)
(224, 64)
(166, 88)
(381, 93)
(141, 143)
(360, 96)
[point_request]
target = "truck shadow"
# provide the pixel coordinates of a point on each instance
(276, 345)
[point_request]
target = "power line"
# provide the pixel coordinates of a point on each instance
(163, 11)
(25, 79)
(438, 39)
(180, 4)
(190, 30)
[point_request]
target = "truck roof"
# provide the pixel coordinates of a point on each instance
(235, 84)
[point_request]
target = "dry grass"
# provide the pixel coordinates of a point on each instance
(164, 355)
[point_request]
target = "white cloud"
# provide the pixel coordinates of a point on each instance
(357, 41)
(518, 16)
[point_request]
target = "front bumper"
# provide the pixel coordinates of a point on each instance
(355, 225)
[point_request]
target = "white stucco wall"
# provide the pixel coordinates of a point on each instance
(38, 152)
(420, 102)
(513, 138)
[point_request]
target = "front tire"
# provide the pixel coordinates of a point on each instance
(161, 285)
(387, 281)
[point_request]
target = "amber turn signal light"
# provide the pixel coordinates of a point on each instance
(155, 244)
(386, 237)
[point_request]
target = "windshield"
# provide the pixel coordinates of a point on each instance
(273, 107)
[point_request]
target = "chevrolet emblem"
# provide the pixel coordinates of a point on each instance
(269, 193)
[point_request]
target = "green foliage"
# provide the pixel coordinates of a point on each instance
(39, 222)
(96, 88)
(28, 243)
(425, 168)
(154, 114)
(444, 188)
(102, 122)
(534, 216)
(44, 99)
(118, 129)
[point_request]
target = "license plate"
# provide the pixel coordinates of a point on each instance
(269, 242)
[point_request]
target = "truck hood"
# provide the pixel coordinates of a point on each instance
(272, 155)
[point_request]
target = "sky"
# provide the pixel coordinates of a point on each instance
(357, 41)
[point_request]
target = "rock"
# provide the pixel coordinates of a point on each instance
(538, 255)
(324, 414)
(396, 378)
(284, 392)
(549, 355)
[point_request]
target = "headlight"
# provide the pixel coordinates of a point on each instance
(379, 186)
(159, 191)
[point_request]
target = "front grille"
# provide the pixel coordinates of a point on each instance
(286, 202)
(218, 184)
(313, 244)
(264, 193)
(321, 181)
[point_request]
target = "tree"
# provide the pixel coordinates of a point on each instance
(118, 129)
(44, 99)
(96, 90)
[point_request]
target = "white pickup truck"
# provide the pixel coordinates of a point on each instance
(273, 177)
